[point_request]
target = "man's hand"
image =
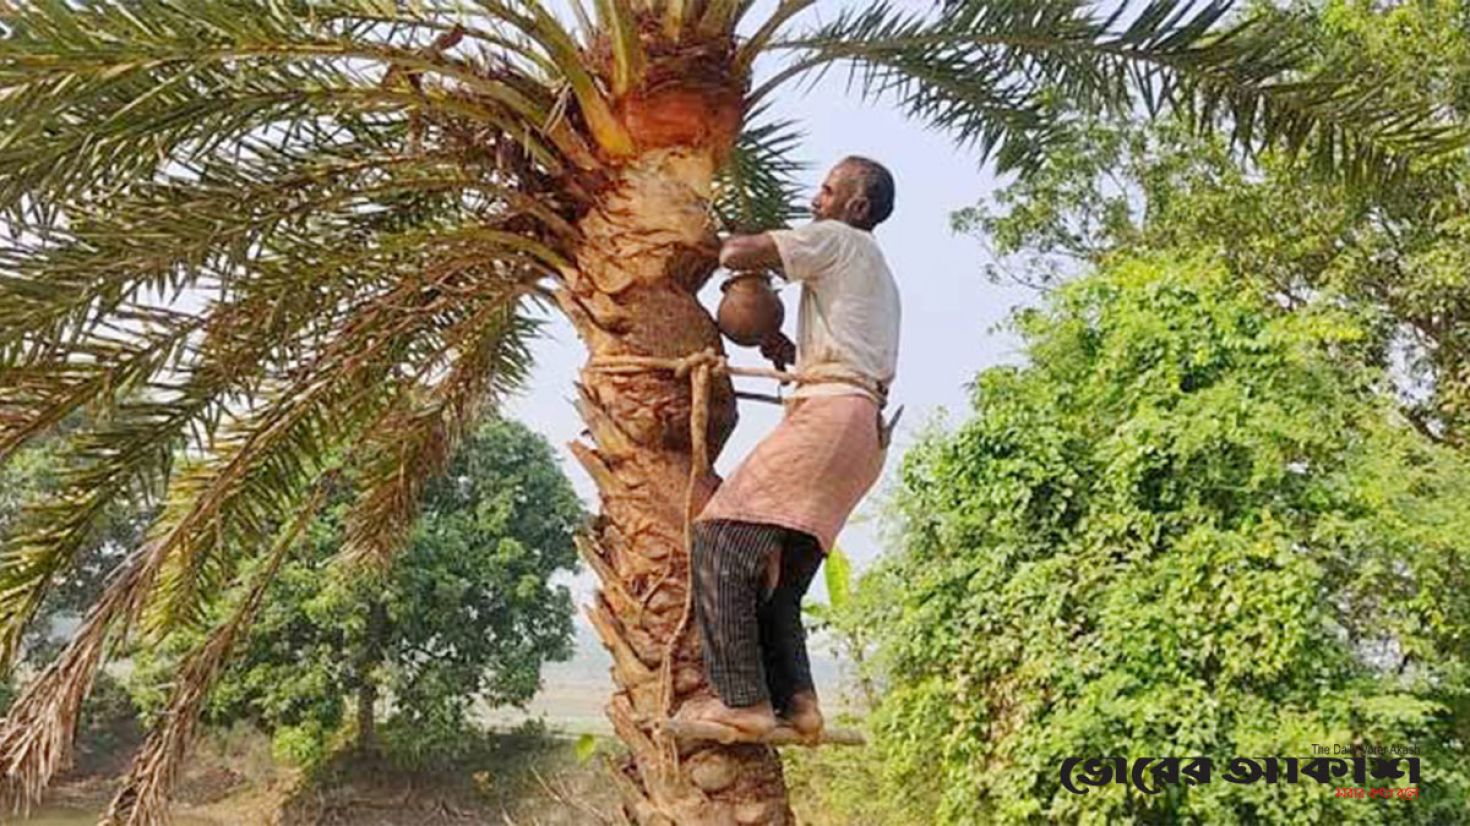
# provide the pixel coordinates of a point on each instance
(779, 349)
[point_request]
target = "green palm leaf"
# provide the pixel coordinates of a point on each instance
(144, 795)
(301, 298)
(758, 189)
(277, 226)
(998, 74)
(223, 506)
(414, 441)
(102, 96)
(361, 371)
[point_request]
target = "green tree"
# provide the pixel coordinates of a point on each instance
(108, 718)
(1189, 526)
(466, 613)
(361, 198)
(1399, 253)
(34, 476)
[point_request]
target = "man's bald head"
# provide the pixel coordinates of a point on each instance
(858, 191)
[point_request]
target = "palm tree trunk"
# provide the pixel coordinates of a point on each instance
(649, 246)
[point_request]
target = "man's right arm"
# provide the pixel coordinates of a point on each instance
(750, 252)
(800, 254)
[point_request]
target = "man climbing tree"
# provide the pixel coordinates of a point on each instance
(761, 538)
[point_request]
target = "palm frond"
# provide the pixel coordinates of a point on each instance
(105, 366)
(721, 16)
(98, 96)
(305, 283)
(169, 236)
(562, 49)
(364, 369)
(276, 219)
(143, 797)
(164, 236)
(415, 441)
(40, 726)
(254, 476)
(630, 59)
(133, 452)
(995, 74)
(76, 314)
(758, 189)
(266, 330)
(758, 42)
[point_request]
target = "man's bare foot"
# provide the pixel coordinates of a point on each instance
(746, 724)
(805, 715)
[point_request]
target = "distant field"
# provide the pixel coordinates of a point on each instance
(574, 692)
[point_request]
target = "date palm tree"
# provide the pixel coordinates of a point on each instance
(271, 240)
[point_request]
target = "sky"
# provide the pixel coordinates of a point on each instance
(949, 307)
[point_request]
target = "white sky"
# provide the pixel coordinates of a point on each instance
(949, 307)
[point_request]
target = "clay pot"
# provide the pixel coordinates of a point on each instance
(750, 310)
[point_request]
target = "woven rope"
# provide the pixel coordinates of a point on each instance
(699, 367)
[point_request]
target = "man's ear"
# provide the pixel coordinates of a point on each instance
(859, 208)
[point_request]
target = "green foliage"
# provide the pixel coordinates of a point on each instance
(1008, 76)
(1398, 253)
(840, 787)
(466, 614)
(757, 189)
(837, 787)
(1189, 526)
(434, 737)
(306, 745)
(36, 473)
(837, 569)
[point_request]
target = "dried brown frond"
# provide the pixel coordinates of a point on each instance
(413, 443)
(37, 734)
(143, 798)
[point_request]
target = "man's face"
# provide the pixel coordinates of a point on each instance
(838, 198)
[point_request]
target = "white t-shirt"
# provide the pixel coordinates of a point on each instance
(849, 312)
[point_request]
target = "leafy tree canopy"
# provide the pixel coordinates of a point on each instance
(1190, 526)
(1397, 252)
(467, 613)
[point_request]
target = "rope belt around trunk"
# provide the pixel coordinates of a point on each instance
(700, 367)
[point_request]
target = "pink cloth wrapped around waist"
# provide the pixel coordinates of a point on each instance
(810, 472)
